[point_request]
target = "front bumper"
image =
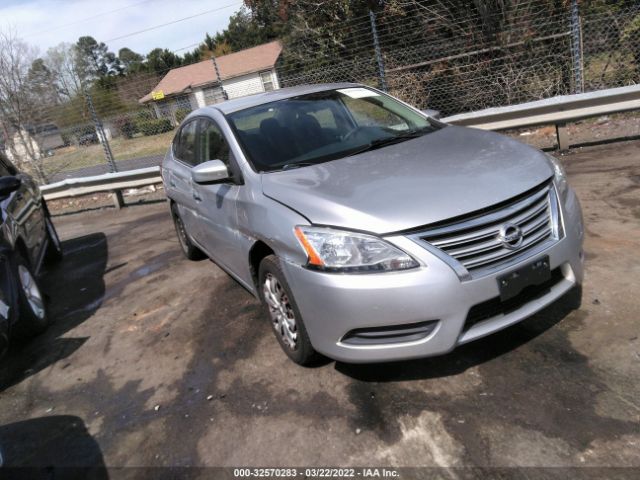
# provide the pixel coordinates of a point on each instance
(333, 305)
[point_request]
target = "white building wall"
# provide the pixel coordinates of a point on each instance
(194, 100)
(244, 85)
(198, 97)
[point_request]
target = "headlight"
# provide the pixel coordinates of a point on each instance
(343, 251)
(559, 176)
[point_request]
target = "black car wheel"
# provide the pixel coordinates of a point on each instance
(188, 248)
(32, 309)
(4, 335)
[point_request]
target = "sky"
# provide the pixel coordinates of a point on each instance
(46, 23)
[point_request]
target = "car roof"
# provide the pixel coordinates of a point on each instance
(236, 104)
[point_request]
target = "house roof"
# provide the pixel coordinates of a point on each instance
(255, 59)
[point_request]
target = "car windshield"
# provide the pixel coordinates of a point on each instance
(318, 127)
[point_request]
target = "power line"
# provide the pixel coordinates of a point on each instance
(172, 22)
(85, 19)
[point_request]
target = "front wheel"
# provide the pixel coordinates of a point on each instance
(283, 313)
(188, 248)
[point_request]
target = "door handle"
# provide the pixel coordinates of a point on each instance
(172, 183)
(195, 195)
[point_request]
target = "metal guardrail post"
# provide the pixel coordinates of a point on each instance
(102, 138)
(576, 48)
(376, 45)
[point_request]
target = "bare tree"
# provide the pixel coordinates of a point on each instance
(61, 60)
(21, 113)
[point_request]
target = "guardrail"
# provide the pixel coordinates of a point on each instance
(557, 111)
(108, 182)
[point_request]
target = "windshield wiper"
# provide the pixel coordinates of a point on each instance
(291, 166)
(383, 142)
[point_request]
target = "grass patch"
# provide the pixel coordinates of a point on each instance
(74, 158)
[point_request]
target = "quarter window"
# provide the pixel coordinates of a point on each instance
(213, 145)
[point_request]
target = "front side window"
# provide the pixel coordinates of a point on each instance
(185, 143)
(324, 126)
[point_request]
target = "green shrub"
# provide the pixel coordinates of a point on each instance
(181, 114)
(154, 127)
(126, 126)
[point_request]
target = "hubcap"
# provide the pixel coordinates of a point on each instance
(31, 291)
(282, 317)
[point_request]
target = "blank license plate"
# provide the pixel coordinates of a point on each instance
(514, 282)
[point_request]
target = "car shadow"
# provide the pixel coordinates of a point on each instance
(74, 289)
(57, 446)
(468, 355)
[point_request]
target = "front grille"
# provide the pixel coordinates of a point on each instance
(476, 243)
(495, 307)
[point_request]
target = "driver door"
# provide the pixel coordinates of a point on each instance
(216, 205)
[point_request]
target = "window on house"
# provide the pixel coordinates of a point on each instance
(164, 109)
(267, 81)
(183, 103)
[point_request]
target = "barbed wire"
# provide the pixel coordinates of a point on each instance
(446, 62)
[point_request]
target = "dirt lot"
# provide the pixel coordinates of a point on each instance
(155, 360)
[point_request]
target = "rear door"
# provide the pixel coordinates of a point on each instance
(216, 203)
(178, 174)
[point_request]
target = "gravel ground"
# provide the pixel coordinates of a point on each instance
(157, 361)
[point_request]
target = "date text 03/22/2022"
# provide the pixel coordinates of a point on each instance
(316, 472)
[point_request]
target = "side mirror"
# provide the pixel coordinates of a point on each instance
(209, 172)
(435, 114)
(9, 185)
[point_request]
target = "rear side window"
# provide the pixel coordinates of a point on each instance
(185, 144)
(6, 167)
(4, 171)
(213, 145)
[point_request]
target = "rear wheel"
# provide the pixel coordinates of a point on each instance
(283, 313)
(32, 310)
(188, 248)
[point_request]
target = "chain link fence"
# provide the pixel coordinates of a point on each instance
(425, 55)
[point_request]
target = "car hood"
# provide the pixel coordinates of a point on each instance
(444, 174)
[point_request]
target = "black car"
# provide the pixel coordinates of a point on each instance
(28, 238)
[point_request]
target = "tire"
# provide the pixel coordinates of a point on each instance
(188, 248)
(4, 337)
(54, 248)
(278, 302)
(32, 310)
